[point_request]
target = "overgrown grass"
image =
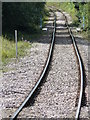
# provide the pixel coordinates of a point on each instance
(24, 42)
(9, 49)
(8, 45)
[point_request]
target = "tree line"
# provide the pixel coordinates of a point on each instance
(21, 16)
(26, 16)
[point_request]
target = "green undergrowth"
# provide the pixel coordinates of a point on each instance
(9, 49)
(25, 40)
(69, 7)
(66, 7)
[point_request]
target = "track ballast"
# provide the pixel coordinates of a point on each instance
(46, 67)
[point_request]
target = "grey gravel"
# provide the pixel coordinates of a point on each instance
(83, 48)
(57, 95)
(84, 52)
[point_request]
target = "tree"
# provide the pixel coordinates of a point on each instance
(21, 16)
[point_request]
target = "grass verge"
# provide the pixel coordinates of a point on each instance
(8, 44)
(9, 49)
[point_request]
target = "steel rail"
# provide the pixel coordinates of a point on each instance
(81, 74)
(41, 77)
(80, 66)
(81, 71)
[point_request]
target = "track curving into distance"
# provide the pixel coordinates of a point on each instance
(46, 67)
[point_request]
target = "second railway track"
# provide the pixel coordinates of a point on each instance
(57, 96)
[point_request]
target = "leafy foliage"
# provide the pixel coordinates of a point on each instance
(21, 16)
(83, 15)
(78, 10)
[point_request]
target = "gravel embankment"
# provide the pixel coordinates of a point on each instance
(57, 95)
(83, 46)
(22, 75)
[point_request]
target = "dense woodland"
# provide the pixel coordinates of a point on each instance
(22, 16)
(27, 16)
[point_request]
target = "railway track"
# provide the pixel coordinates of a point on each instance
(81, 69)
(14, 116)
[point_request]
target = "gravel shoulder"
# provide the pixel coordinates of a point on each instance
(22, 75)
(83, 46)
